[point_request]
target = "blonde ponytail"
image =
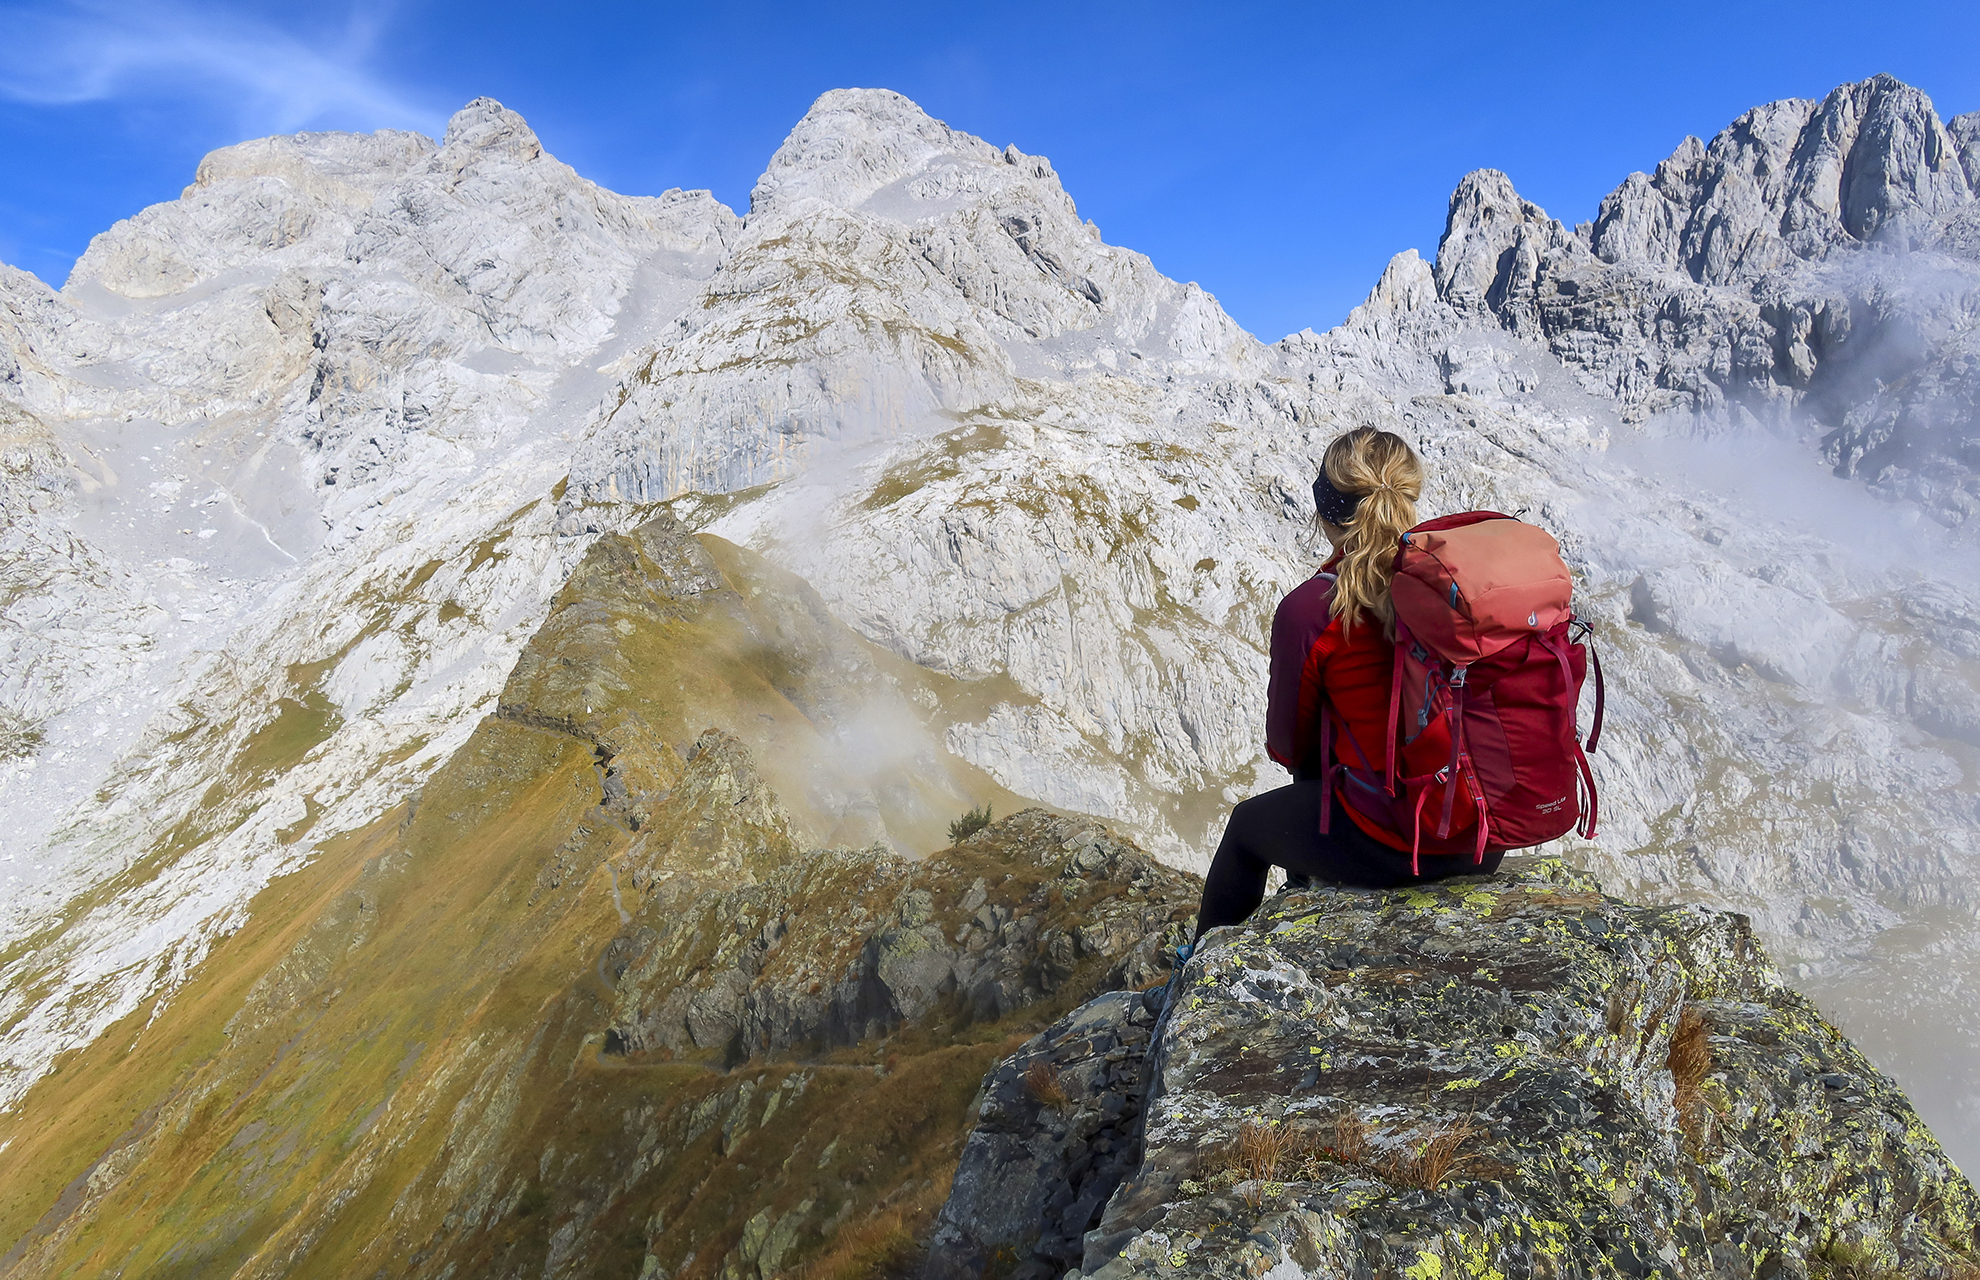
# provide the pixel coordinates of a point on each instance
(1380, 469)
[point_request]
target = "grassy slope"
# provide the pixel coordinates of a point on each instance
(394, 1064)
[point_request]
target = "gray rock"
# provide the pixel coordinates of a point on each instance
(833, 947)
(1623, 1091)
(1040, 1164)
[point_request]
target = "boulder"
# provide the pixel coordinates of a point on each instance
(1509, 1075)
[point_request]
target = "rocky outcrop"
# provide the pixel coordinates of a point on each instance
(846, 946)
(1058, 1127)
(1505, 1075)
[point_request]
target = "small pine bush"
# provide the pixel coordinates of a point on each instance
(972, 821)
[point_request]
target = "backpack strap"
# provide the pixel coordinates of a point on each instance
(1416, 834)
(1586, 828)
(1582, 630)
(1587, 831)
(1454, 714)
(1595, 661)
(1395, 702)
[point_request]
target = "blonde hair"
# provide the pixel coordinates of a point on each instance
(1382, 470)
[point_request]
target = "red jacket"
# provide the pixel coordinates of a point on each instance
(1311, 658)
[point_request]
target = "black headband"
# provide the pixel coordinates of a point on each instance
(1335, 507)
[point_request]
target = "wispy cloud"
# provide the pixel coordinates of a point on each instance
(270, 79)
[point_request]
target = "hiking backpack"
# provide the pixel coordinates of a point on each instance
(1482, 749)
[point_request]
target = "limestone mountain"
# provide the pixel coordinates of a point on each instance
(295, 466)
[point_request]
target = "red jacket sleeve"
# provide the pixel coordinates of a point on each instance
(1292, 699)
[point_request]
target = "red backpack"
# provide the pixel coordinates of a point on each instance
(1483, 751)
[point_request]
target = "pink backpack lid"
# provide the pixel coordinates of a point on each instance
(1468, 585)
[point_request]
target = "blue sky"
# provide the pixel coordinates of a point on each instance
(1277, 154)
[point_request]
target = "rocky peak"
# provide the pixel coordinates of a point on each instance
(485, 125)
(1790, 179)
(1494, 241)
(852, 143)
(1812, 268)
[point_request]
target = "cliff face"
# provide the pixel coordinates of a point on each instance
(1498, 1076)
(1816, 265)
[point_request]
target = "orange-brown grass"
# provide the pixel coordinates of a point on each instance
(883, 1246)
(1042, 1079)
(1266, 1153)
(1259, 1149)
(1439, 1158)
(1350, 1137)
(1690, 1060)
(879, 1246)
(1690, 1057)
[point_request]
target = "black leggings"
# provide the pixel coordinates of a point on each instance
(1282, 829)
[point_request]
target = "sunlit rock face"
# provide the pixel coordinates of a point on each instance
(1510, 1075)
(1815, 268)
(282, 453)
(296, 464)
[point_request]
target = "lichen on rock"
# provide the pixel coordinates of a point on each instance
(1495, 1076)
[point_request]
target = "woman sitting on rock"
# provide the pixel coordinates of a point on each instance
(1332, 646)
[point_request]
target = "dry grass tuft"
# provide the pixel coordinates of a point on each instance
(1963, 1268)
(1440, 1156)
(1042, 1079)
(1690, 1061)
(1266, 1153)
(1837, 1260)
(877, 1248)
(1351, 1138)
(1259, 1149)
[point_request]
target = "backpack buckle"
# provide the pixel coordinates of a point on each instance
(1457, 677)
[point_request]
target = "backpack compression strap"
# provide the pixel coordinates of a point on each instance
(1587, 780)
(1395, 702)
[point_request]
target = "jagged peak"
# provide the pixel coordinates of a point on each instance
(1487, 195)
(1488, 217)
(852, 142)
(1793, 178)
(1407, 284)
(486, 125)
